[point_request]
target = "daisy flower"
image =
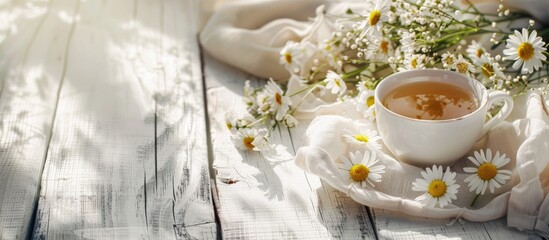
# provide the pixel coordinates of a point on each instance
(414, 61)
(408, 42)
(438, 186)
(291, 55)
(489, 68)
(368, 137)
(475, 51)
(526, 50)
(280, 104)
(335, 83)
(251, 139)
(374, 18)
(361, 168)
(365, 104)
(381, 50)
(464, 66)
(449, 60)
(487, 173)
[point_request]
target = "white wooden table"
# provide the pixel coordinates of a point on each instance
(104, 135)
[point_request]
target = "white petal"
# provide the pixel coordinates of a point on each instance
(517, 64)
(470, 170)
(488, 155)
(474, 160)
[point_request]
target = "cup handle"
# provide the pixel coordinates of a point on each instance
(502, 114)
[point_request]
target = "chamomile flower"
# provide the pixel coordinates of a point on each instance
(487, 173)
(489, 68)
(335, 83)
(368, 137)
(448, 60)
(251, 139)
(526, 49)
(414, 61)
(475, 51)
(291, 56)
(280, 104)
(374, 18)
(439, 187)
(365, 104)
(464, 66)
(361, 168)
(408, 42)
(234, 122)
(381, 50)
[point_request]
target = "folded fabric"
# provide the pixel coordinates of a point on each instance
(524, 138)
(249, 34)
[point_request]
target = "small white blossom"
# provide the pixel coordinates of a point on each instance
(335, 83)
(438, 187)
(526, 49)
(361, 168)
(487, 173)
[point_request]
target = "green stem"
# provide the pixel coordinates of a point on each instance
(475, 199)
(306, 88)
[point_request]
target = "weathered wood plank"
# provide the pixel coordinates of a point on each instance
(272, 198)
(128, 152)
(33, 40)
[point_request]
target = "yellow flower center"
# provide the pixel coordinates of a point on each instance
(370, 101)
(487, 171)
(278, 99)
(384, 46)
(337, 83)
(359, 172)
(414, 63)
(361, 138)
(479, 52)
(437, 188)
(487, 70)
(374, 17)
(525, 51)
(229, 125)
(449, 60)
(462, 67)
(248, 142)
(288, 57)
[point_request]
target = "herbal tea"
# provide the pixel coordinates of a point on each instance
(430, 101)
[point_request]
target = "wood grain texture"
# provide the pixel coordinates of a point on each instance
(33, 41)
(127, 158)
(272, 198)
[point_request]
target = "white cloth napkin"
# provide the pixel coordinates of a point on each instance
(524, 137)
(250, 34)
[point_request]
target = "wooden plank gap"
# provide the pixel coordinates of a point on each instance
(372, 222)
(58, 94)
(206, 114)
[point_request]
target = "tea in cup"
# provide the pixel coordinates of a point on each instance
(430, 116)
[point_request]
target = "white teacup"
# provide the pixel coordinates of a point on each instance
(440, 142)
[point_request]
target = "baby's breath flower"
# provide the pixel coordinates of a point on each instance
(526, 49)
